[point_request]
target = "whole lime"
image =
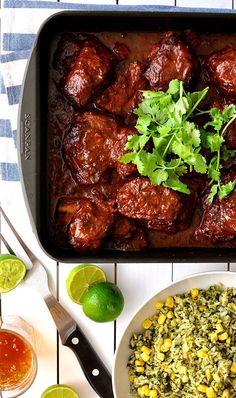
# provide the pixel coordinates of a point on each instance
(103, 302)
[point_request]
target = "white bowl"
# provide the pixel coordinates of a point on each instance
(201, 281)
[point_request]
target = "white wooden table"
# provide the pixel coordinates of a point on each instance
(57, 364)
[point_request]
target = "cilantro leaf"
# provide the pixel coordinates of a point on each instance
(177, 185)
(213, 192)
(212, 141)
(226, 189)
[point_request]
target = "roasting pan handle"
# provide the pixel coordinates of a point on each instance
(27, 145)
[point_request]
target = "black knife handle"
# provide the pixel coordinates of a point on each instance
(94, 370)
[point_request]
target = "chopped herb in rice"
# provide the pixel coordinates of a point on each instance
(187, 348)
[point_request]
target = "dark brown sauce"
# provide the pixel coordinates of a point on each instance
(60, 112)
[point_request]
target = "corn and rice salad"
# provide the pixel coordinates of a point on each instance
(187, 348)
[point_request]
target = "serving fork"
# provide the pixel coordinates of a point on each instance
(70, 333)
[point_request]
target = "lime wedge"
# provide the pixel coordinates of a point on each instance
(81, 278)
(12, 271)
(59, 391)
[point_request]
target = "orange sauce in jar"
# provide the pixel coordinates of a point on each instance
(16, 360)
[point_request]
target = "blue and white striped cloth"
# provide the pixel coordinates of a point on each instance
(20, 21)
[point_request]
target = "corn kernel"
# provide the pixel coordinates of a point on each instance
(159, 305)
(145, 357)
(131, 378)
(164, 348)
(210, 393)
(208, 375)
(168, 342)
(170, 314)
(146, 390)
(166, 345)
(225, 394)
(202, 353)
(213, 337)
(147, 323)
(173, 376)
(160, 356)
(153, 394)
(216, 377)
(146, 350)
(185, 379)
(194, 293)
(228, 341)
(223, 336)
(169, 302)
(143, 390)
(140, 391)
(139, 363)
(182, 370)
(233, 368)
(161, 319)
(202, 388)
(202, 308)
(219, 328)
(140, 369)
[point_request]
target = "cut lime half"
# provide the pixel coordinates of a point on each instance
(81, 278)
(59, 391)
(12, 271)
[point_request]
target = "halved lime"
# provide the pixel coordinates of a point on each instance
(81, 278)
(59, 391)
(12, 271)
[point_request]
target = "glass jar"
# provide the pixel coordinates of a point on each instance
(18, 362)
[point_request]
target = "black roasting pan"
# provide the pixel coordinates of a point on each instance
(32, 121)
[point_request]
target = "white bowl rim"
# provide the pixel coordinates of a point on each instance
(159, 292)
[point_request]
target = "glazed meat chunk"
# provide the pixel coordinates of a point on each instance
(124, 95)
(127, 234)
(218, 222)
(86, 222)
(160, 208)
(66, 53)
(89, 73)
(221, 67)
(94, 144)
(169, 59)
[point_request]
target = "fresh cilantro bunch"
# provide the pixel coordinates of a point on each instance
(165, 120)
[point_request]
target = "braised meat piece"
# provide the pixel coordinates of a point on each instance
(66, 53)
(95, 143)
(121, 50)
(169, 59)
(160, 208)
(126, 170)
(89, 73)
(127, 234)
(221, 67)
(124, 95)
(218, 222)
(86, 222)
